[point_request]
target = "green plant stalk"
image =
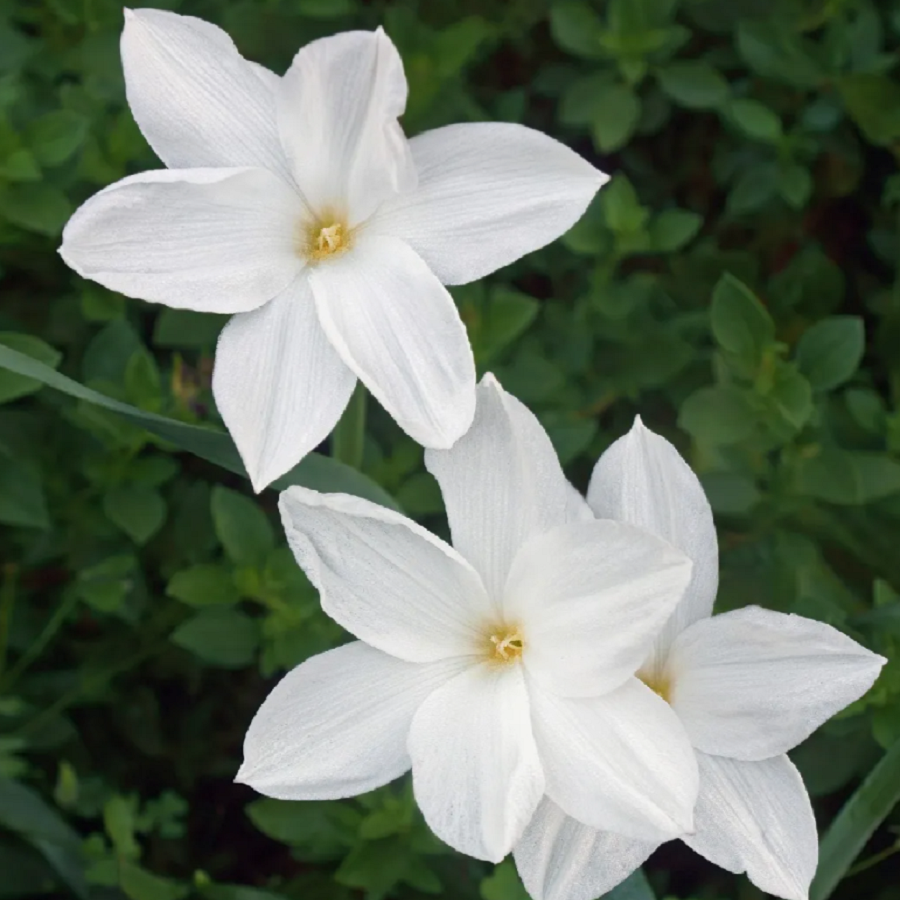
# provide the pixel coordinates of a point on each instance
(856, 822)
(349, 436)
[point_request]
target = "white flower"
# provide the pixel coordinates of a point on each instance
(499, 669)
(298, 204)
(748, 685)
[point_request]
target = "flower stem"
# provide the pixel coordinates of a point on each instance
(348, 438)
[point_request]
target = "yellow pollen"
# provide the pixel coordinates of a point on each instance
(326, 240)
(506, 645)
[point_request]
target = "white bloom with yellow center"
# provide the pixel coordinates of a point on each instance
(500, 670)
(297, 204)
(748, 686)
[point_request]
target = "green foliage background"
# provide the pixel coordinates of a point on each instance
(736, 284)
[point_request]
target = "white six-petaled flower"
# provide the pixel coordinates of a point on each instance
(297, 204)
(748, 685)
(501, 670)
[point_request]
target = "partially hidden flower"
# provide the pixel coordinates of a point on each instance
(748, 686)
(297, 204)
(500, 669)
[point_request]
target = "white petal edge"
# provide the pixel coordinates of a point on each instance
(589, 599)
(754, 683)
(338, 106)
(559, 858)
(501, 482)
(621, 762)
(197, 101)
(488, 194)
(397, 328)
(642, 480)
(476, 773)
(755, 817)
(386, 579)
(337, 724)
(278, 383)
(213, 240)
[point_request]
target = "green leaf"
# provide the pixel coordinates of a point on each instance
(795, 185)
(577, 28)
(848, 477)
(741, 325)
(503, 884)
(873, 102)
(315, 471)
(325, 9)
(755, 120)
(56, 135)
(869, 806)
(37, 206)
(203, 585)
(118, 820)
(139, 884)
(22, 500)
(717, 415)
(220, 636)
(616, 118)
(241, 526)
(506, 315)
(830, 351)
(791, 397)
(24, 812)
(693, 84)
(673, 228)
(12, 385)
(621, 207)
(753, 189)
(139, 511)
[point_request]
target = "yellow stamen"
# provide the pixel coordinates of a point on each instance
(326, 240)
(505, 644)
(658, 682)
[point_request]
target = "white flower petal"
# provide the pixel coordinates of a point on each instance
(195, 98)
(337, 114)
(577, 509)
(621, 762)
(384, 578)
(642, 480)
(278, 383)
(337, 725)
(753, 683)
(398, 329)
(214, 240)
(559, 858)
(755, 817)
(476, 773)
(488, 193)
(588, 599)
(501, 482)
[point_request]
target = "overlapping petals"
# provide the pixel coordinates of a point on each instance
(752, 684)
(559, 858)
(642, 480)
(620, 762)
(594, 594)
(394, 325)
(476, 771)
(502, 483)
(347, 91)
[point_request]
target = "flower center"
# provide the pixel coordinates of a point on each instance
(659, 683)
(327, 239)
(505, 644)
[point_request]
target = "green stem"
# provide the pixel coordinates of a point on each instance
(348, 439)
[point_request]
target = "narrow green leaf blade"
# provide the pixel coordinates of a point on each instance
(856, 823)
(316, 471)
